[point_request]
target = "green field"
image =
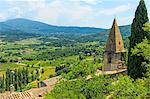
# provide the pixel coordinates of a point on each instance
(35, 53)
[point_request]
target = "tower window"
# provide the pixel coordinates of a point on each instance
(119, 43)
(109, 58)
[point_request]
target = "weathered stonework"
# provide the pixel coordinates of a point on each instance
(114, 50)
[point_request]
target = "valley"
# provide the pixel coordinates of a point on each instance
(57, 49)
(47, 51)
(36, 54)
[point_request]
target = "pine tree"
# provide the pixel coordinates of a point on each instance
(135, 69)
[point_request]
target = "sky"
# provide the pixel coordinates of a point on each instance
(84, 13)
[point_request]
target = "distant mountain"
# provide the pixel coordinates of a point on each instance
(4, 27)
(17, 29)
(30, 26)
(125, 30)
(102, 36)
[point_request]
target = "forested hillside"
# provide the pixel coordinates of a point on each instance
(19, 29)
(30, 26)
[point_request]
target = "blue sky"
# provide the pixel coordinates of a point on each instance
(92, 13)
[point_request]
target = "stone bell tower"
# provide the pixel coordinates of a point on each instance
(114, 50)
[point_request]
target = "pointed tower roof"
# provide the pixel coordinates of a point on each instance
(114, 42)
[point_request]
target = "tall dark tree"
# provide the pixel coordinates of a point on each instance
(16, 80)
(27, 75)
(32, 76)
(2, 84)
(135, 68)
(7, 79)
(23, 76)
(20, 79)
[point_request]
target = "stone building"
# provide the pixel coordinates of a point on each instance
(113, 54)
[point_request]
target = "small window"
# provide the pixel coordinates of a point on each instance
(119, 43)
(109, 58)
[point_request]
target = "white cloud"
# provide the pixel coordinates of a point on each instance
(116, 10)
(126, 20)
(15, 12)
(2, 16)
(69, 12)
(93, 2)
(23, 0)
(58, 12)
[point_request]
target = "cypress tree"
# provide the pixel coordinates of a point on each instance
(32, 76)
(7, 79)
(23, 76)
(20, 80)
(16, 80)
(11, 77)
(6, 82)
(135, 68)
(27, 76)
(2, 87)
(3, 83)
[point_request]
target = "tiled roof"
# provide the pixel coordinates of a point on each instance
(18, 95)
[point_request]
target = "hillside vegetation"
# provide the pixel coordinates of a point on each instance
(19, 29)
